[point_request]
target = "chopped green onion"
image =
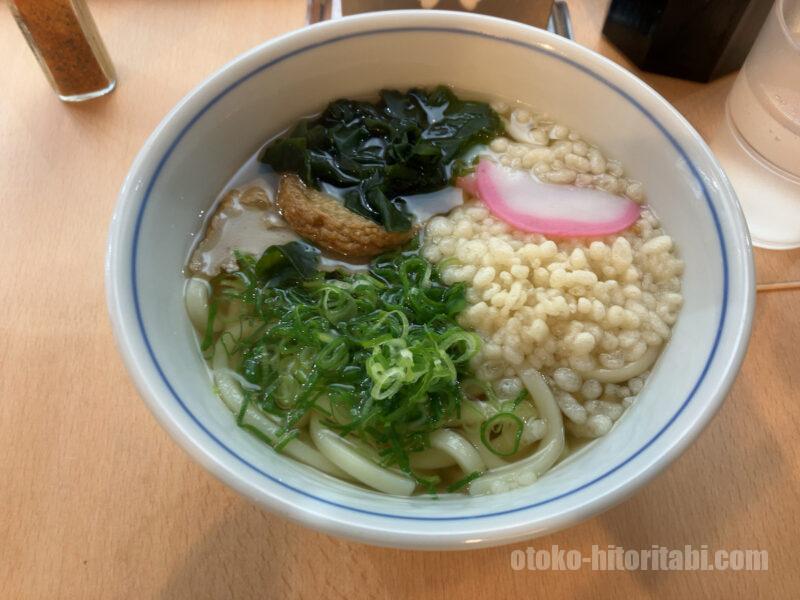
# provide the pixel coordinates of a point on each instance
(501, 419)
(463, 482)
(384, 347)
(208, 337)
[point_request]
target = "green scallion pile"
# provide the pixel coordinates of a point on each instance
(378, 353)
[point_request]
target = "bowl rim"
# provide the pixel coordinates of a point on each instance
(387, 22)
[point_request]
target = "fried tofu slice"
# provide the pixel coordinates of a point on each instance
(322, 219)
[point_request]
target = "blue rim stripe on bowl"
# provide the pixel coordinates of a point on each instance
(457, 31)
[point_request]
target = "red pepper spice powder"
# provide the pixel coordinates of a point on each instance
(64, 38)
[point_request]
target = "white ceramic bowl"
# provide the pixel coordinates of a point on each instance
(203, 141)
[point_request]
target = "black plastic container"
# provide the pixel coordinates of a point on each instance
(691, 39)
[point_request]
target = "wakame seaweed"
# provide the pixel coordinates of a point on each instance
(378, 153)
(379, 352)
(294, 261)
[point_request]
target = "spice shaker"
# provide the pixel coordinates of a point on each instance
(65, 40)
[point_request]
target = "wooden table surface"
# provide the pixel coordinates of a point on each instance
(96, 501)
